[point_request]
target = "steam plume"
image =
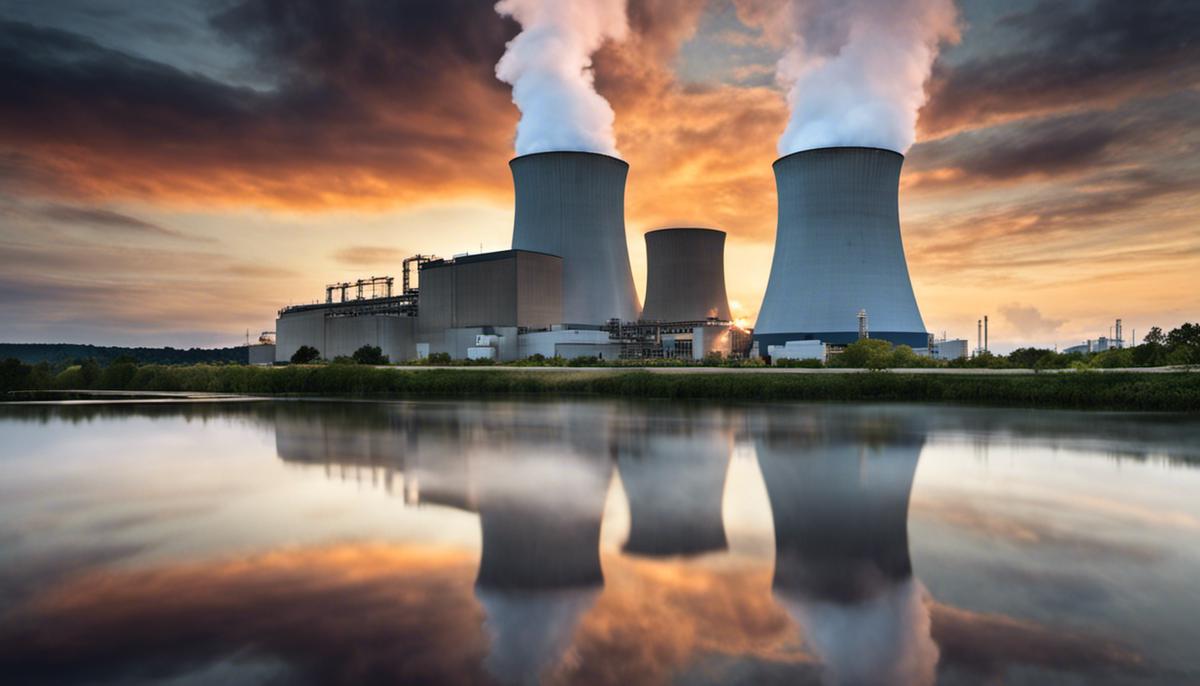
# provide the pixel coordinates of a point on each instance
(549, 65)
(856, 69)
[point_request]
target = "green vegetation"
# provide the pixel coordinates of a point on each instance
(1087, 390)
(306, 354)
(61, 355)
(370, 354)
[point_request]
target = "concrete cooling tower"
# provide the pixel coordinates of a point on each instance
(838, 251)
(572, 204)
(685, 276)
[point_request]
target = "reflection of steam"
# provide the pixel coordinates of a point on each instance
(531, 631)
(884, 640)
(675, 485)
(842, 567)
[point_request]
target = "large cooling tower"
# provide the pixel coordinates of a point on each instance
(685, 275)
(572, 204)
(838, 251)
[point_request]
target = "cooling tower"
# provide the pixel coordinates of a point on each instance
(838, 251)
(685, 275)
(572, 204)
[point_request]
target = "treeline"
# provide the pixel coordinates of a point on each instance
(62, 355)
(1124, 391)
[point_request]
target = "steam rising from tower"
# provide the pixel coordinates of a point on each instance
(856, 69)
(549, 65)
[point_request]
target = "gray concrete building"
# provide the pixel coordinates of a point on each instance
(493, 294)
(838, 251)
(685, 276)
(339, 329)
(572, 204)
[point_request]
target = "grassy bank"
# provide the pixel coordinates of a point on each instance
(1084, 390)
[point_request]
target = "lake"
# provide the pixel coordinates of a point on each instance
(587, 542)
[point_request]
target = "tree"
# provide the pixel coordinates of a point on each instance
(1027, 358)
(370, 354)
(89, 373)
(871, 353)
(1184, 344)
(1155, 337)
(306, 354)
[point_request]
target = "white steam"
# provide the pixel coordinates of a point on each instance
(549, 65)
(856, 69)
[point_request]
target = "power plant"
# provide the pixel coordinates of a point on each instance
(838, 252)
(565, 288)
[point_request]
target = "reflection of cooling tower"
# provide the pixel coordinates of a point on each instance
(838, 251)
(841, 517)
(675, 490)
(540, 518)
(842, 567)
(685, 275)
(572, 204)
(539, 569)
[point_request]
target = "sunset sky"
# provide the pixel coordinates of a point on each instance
(174, 173)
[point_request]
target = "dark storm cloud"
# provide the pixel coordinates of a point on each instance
(1158, 133)
(1068, 56)
(370, 99)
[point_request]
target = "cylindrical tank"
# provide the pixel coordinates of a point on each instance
(572, 204)
(838, 251)
(685, 275)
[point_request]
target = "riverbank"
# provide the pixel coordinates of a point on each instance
(1164, 391)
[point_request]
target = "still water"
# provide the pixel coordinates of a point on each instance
(299, 542)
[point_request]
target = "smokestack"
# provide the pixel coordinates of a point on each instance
(978, 336)
(838, 250)
(985, 333)
(685, 276)
(572, 204)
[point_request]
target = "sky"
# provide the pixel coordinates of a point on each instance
(174, 173)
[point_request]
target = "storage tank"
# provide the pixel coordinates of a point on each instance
(572, 204)
(838, 251)
(685, 275)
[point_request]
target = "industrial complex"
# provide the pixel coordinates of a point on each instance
(566, 288)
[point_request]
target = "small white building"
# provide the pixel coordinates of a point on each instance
(798, 350)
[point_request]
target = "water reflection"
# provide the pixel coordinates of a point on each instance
(839, 503)
(245, 565)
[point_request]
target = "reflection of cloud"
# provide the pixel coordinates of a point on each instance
(882, 641)
(1027, 531)
(990, 644)
(338, 615)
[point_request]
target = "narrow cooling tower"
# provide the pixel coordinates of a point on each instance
(572, 204)
(838, 251)
(685, 275)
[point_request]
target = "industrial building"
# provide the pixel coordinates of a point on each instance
(838, 252)
(566, 289)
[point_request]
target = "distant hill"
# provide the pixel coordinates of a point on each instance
(60, 354)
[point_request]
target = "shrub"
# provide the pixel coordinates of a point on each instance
(343, 359)
(438, 359)
(370, 354)
(799, 364)
(306, 354)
